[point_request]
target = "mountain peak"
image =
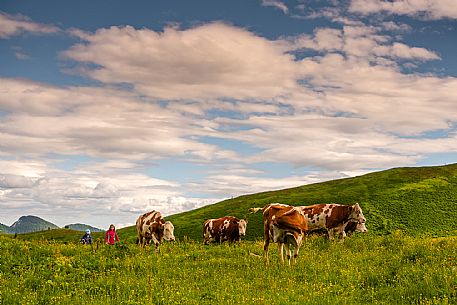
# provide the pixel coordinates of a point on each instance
(30, 223)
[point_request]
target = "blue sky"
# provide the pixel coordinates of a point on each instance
(109, 109)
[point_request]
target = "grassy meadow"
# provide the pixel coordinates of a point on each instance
(366, 269)
(409, 255)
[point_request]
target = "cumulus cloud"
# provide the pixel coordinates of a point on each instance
(361, 41)
(98, 122)
(208, 61)
(90, 191)
(400, 50)
(14, 25)
(432, 9)
(15, 181)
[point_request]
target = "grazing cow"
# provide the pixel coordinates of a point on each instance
(334, 218)
(227, 228)
(152, 227)
(285, 225)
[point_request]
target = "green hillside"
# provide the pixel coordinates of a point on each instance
(27, 224)
(82, 227)
(4, 228)
(420, 200)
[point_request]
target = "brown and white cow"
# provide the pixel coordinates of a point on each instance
(334, 218)
(152, 227)
(285, 225)
(222, 229)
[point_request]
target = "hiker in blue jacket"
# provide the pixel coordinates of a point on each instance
(87, 238)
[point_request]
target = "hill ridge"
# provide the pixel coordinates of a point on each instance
(417, 200)
(31, 223)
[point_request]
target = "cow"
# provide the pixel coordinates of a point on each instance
(285, 225)
(334, 218)
(152, 227)
(222, 229)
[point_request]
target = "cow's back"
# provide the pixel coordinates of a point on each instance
(221, 229)
(150, 223)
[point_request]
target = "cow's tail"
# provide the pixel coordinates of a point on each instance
(255, 210)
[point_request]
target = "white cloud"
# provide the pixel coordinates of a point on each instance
(208, 61)
(360, 41)
(96, 122)
(89, 192)
(400, 50)
(432, 9)
(277, 4)
(15, 181)
(15, 25)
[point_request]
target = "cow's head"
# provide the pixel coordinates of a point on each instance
(168, 231)
(360, 227)
(242, 227)
(357, 216)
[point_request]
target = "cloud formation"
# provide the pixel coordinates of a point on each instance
(208, 61)
(14, 25)
(360, 41)
(430, 9)
(277, 4)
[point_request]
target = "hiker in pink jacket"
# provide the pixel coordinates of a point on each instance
(111, 236)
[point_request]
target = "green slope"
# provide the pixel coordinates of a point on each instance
(82, 227)
(4, 229)
(421, 200)
(27, 224)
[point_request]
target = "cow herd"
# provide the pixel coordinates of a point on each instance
(283, 224)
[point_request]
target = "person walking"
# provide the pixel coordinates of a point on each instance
(87, 238)
(111, 236)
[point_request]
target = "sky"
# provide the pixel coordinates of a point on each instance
(109, 109)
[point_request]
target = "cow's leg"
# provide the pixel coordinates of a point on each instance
(297, 249)
(155, 241)
(343, 235)
(331, 233)
(288, 252)
(266, 243)
(280, 250)
(140, 240)
(206, 238)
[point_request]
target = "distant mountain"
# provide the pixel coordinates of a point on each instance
(82, 227)
(4, 228)
(27, 224)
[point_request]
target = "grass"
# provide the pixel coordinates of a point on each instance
(409, 255)
(393, 269)
(59, 235)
